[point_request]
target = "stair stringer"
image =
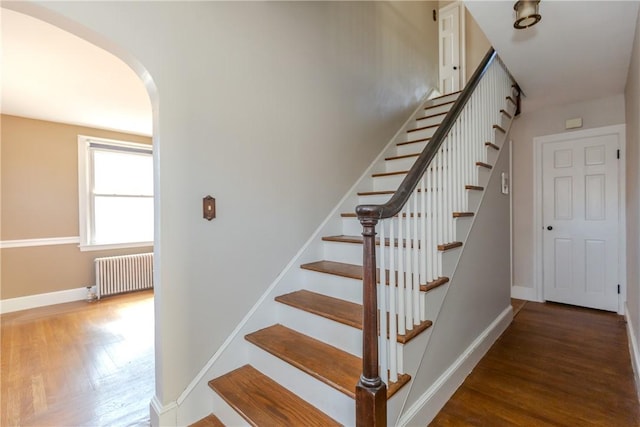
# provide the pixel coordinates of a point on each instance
(475, 310)
(196, 401)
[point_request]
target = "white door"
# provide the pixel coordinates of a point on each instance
(580, 221)
(449, 50)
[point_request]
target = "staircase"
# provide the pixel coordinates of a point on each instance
(305, 358)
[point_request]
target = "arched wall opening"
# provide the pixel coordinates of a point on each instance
(146, 81)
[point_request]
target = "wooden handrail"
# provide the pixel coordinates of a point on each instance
(371, 392)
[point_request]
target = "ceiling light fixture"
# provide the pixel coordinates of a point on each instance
(526, 14)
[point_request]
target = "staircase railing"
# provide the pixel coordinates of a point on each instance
(415, 223)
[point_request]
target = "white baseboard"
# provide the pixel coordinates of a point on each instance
(524, 292)
(429, 404)
(41, 300)
(634, 351)
(163, 415)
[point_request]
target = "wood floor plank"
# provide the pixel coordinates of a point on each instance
(555, 365)
(79, 363)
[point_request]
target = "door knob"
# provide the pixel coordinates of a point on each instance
(455, 68)
(549, 228)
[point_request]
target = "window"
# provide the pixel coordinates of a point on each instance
(115, 188)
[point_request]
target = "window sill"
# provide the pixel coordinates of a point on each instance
(111, 246)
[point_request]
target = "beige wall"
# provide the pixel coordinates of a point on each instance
(273, 108)
(476, 44)
(632, 98)
(547, 121)
(40, 200)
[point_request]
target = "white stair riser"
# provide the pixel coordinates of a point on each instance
(429, 119)
(351, 227)
(433, 300)
(388, 182)
(474, 197)
(327, 399)
(492, 155)
(436, 110)
(483, 176)
(344, 337)
(419, 134)
(374, 199)
(226, 414)
(443, 99)
(403, 164)
(415, 148)
(334, 286)
(463, 225)
(343, 252)
(449, 261)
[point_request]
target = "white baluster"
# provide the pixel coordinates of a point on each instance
(408, 281)
(401, 278)
(393, 314)
(383, 346)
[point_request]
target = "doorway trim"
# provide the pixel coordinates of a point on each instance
(617, 130)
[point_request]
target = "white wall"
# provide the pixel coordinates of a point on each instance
(274, 109)
(546, 121)
(632, 98)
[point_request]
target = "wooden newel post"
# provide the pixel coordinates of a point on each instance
(371, 392)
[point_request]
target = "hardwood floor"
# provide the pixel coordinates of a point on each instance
(79, 364)
(82, 364)
(556, 365)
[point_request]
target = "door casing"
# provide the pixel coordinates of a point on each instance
(538, 226)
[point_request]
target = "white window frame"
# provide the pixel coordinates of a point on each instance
(84, 191)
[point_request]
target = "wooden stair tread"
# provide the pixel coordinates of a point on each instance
(434, 284)
(389, 173)
(445, 95)
(506, 113)
(334, 367)
(342, 269)
(376, 193)
(263, 402)
(406, 156)
(491, 145)
(352, 271)
(484, 165)
(412, 215)
(423, 128)
(473, 187)
(462, 214)
(208, 421)
(338, 310)
(431, 116)
(439, 105)
(345, 312)
(415, 141)
(386, 192)
(448, 246)
(358, 240)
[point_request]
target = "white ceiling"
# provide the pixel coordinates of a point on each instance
(580, 50)
(50, 74)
